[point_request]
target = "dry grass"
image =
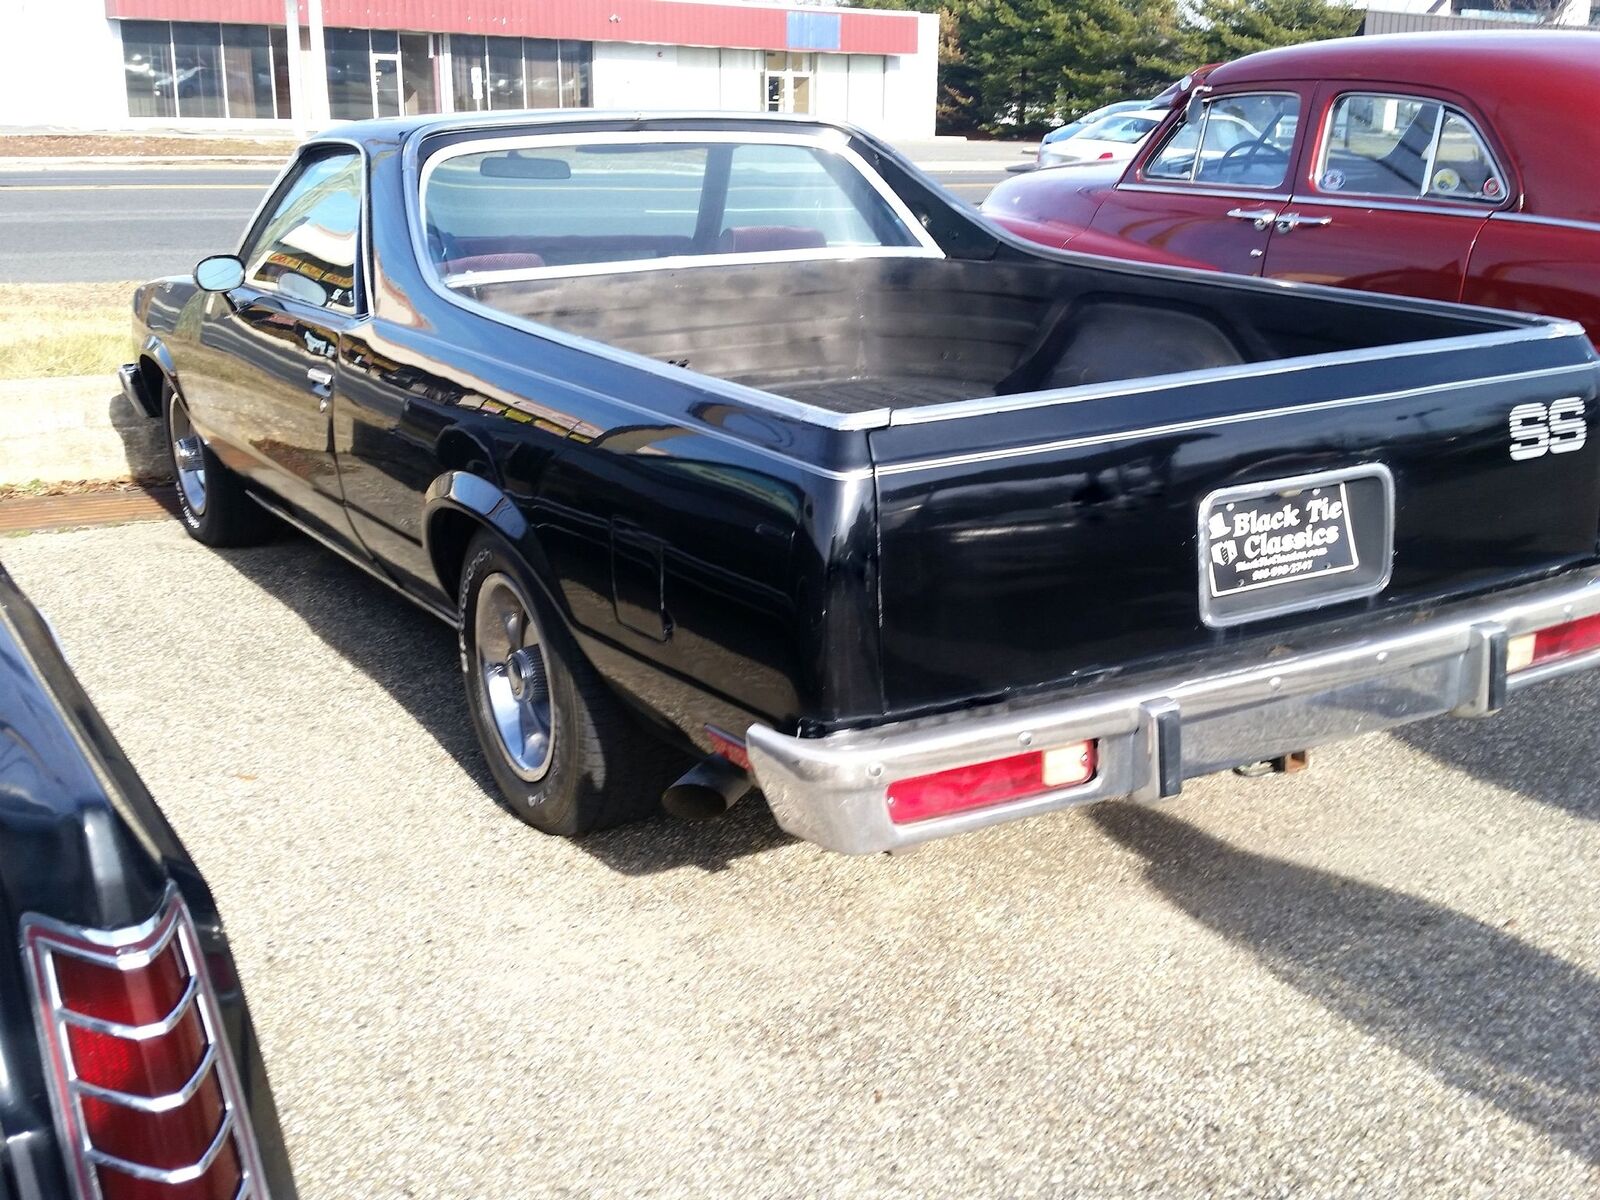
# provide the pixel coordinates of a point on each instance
(77, 145)
(64, 328)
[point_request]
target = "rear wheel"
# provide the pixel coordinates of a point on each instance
(568, 756)
(211, 498)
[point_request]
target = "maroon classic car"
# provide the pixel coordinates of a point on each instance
(1455, 166)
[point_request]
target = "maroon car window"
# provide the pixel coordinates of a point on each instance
(1239, 141)
(1407, 147)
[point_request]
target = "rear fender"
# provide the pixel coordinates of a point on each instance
(459, 503)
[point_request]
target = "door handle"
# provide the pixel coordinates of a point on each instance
(1260, 217)
(1292, 221)
(321, 386)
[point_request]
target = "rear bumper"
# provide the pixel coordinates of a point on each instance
(1166, 728)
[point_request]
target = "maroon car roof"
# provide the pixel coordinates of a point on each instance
(1539, 89)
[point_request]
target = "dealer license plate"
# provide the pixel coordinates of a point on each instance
(1268, 540)
(1290, 544)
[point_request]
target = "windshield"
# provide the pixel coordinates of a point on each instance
(1119, 129)
(551, 205)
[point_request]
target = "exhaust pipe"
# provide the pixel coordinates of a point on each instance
(709, 790)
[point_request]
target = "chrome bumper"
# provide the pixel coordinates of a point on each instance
(1155, 733)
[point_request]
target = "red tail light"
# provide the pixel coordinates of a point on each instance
(1105, 156)
(923, 797)
(1558, 641)
(144, 1087)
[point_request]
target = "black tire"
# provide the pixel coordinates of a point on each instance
(602, 767)
(220, 513)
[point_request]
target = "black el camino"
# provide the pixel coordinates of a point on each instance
(741, 438)
(129, 1069)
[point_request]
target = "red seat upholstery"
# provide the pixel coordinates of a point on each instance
(752, 239)
(521, 261)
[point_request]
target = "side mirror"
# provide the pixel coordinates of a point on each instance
(219, 273)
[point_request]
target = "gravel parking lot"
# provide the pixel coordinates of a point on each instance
(1381, 977)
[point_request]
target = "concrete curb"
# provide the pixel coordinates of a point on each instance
(79, 428)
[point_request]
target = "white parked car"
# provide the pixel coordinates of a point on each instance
(1113, 138)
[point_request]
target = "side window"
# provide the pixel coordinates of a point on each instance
(306, 247)
(1407, 147)
(1240, 141)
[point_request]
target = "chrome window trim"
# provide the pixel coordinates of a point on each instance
(1176, 427)
(1205, 120)
(363, 271)
(755, 398)
(1416, 206)
(1202, 189)
(1536, 219)
(1421, 200)
(924, 247)
(1122, 387)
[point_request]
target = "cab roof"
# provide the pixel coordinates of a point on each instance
(1462, 60)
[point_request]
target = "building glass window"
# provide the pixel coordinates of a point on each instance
(197, 60)
(787, 81)
(418, 93)
(577, 66)
(349, 54)
(511, 73)
(147, 68)
(189, 69)
(247, 70)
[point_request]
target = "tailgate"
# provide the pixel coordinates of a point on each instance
(1032, 540)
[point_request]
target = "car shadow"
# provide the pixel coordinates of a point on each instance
(413, 657)
(1481, 1009)
(1537, 746)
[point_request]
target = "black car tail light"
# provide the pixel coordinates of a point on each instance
(145, 1091)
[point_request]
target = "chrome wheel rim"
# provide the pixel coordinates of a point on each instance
(188, 459)
(514, 677)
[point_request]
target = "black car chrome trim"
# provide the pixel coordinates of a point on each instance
(138, 1033)
(1105, 439)
(1122, 387)
(350, 556)
(155, 1104)
(133, 948)
(780, 405)
(831, 790)
(169, 1175)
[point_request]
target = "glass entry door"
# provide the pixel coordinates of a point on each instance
(386, 85)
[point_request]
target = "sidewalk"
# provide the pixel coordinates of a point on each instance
(73, 430)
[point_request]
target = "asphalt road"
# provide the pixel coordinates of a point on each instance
(1378, 978)
(89, 226)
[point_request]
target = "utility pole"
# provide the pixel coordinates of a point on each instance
(319, 64)
(297, 90)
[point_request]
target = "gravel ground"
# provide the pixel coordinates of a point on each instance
(1381, 977)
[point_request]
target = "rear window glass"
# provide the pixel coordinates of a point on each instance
(539, 206)
(1406, 147)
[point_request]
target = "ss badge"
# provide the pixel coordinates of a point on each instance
(1556, 428)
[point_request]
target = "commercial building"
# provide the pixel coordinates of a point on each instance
(104, 64)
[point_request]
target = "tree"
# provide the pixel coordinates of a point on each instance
(1015, 67)
(1222, 30)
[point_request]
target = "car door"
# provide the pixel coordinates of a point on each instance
(1209, 190)
(1393, 195)
(262, 386)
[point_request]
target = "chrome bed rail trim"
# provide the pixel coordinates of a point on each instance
(1030, 449)
(1167, 726)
